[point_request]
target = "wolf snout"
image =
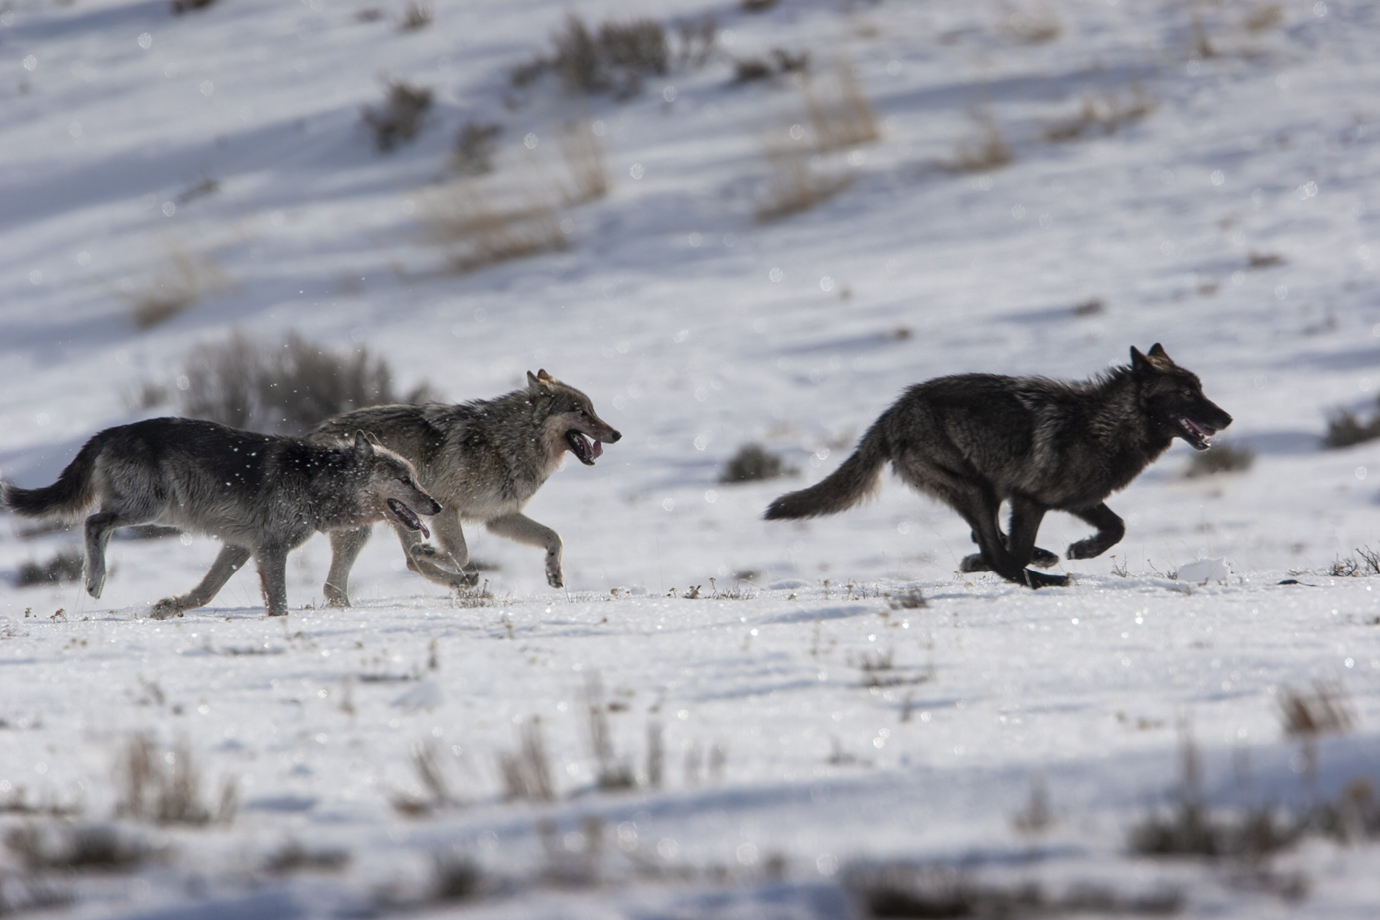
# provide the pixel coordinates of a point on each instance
(614, 436)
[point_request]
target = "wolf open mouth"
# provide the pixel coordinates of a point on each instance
(407, 517)
(584, 448)
(1196, 434)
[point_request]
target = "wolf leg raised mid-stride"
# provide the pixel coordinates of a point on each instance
(483, 460)
(975, 440)
(263, 496)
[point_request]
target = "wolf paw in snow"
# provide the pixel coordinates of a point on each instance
(167, 607)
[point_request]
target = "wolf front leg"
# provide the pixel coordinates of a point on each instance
(1110, 530)
(230, 561)
(345, 547)
(446, 566)
(523, 529)
(272, 563)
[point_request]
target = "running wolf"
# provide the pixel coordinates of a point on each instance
(261, 495)
(484, 460)
(974, 440)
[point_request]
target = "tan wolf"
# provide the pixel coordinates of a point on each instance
(483, 460)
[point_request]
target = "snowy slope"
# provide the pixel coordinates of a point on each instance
(695, 330)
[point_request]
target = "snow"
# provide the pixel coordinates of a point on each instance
(695, 330)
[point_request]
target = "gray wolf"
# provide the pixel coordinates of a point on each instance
(974, 440)
(483, 460)
(261, 495)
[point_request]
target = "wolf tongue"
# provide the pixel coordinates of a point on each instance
(596, 450)
(425, 533)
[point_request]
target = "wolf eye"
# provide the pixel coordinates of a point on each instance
(1188, 391)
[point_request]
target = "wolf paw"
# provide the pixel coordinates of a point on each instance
(336, 598)
(555, 580)
(974, 563)
(1043, 558)
(167, 607)
(1086, 549)
(1041, 580)
(465, 580)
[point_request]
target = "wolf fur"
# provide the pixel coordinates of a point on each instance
(974, 440)
(483, 460)
(261, 495)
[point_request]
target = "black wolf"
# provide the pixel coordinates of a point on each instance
(484, 460)
(974, 440)
(259, 494)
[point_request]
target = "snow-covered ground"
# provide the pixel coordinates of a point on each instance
(812, 721)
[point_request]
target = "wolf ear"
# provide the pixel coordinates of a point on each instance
(1139, 363)
(540, 382)
(1158, 355)
(364, 449)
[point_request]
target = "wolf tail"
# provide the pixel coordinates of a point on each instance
(73, 492)
(853, 481)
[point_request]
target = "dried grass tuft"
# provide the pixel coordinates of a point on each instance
(479, 228)
(984, 150)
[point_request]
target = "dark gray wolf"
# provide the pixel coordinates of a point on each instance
(259, 494)
(974, 440)
(483, 460)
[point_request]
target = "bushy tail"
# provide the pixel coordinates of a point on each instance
(73, 492)
(852, 482)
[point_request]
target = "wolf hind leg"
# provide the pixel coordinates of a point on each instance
(272, 563)
(1110, 530)
(523, 529)
(230, 561)
(345, 549)
(98, 529)
(978, 506)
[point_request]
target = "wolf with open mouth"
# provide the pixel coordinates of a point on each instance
(976, 440)
(483, 460)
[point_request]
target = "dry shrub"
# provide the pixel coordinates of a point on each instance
(1257, 260)
(1345, 428)
(527, 773)
(753, 462)
(799, 179)
(779, 63)
(416, 16)
(918, 890)
(165, 788)
(696, 37)
(840, 115)
(1263, 18)
(181, 284)
(1222, 458)
(65, 566)
(67, 848)
(986, 149)
(293, 856)
(583, 155)
(613, 772)
(1322, 710)
(475, 148)
(400, 118)
(756, 6)
(1034, 25)
(482, 227)
(455, 877)
(186, 6)
(615, 58)
(247, 382)
(1104, 114)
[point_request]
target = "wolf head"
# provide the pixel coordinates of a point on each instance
(1173, 398)
(390, 490)
(568, 419)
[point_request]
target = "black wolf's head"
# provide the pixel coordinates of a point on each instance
(568, 419)
(1173, 398)
(390, 486)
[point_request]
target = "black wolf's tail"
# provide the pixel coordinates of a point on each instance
(73, 492)
(852, 482)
